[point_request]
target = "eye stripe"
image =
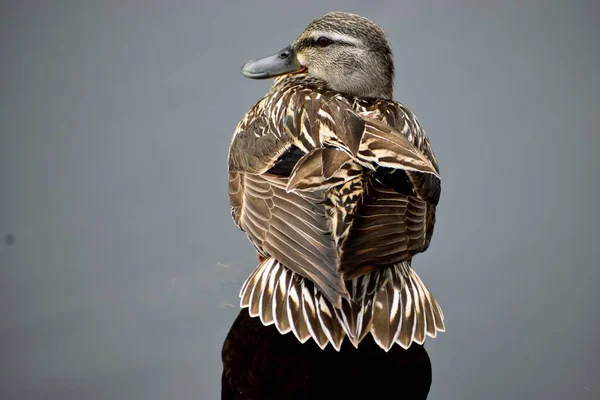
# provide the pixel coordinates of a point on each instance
(305, 42)
(337, 37)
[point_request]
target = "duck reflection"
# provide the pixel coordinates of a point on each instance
(259, 363)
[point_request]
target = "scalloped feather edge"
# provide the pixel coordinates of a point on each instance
(392, 304)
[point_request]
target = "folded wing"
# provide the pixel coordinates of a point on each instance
(330, 192)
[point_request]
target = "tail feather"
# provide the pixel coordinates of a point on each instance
(357, 315)
(434, 315)
(249, 286)
(329, 321)
(356, 318)
(427, 306)
(298, 323)
(392, 304)
(439, 317)
(408, 326)
(388, 311)
(417, 301)
(279, 305)
(266, 298)
(309, 311)
(260, 282)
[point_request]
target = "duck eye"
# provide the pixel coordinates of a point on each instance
(324, 41)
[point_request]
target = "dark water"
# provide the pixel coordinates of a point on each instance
(119, 262)
(260, 363)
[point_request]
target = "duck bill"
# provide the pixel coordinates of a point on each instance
(283, 62)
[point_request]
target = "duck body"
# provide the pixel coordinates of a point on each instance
(337, 193)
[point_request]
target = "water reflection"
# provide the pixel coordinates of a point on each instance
(260, 364)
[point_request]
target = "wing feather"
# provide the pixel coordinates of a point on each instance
(294, 153)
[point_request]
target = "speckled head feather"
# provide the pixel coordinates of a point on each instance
(351, 53)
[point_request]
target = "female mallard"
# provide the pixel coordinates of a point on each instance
(336, 186)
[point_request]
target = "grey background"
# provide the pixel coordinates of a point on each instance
(121, 279)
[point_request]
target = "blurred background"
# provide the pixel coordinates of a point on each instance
(120, 264)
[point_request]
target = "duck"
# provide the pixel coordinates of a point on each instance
(336, 186)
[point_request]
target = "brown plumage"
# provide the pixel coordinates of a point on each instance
(337, 191)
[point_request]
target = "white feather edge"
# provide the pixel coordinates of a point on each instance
(267, 270)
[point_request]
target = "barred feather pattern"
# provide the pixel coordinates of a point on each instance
(392, 304)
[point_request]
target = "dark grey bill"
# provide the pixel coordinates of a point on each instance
(280, 63)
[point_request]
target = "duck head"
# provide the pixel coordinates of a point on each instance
(349, 53)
